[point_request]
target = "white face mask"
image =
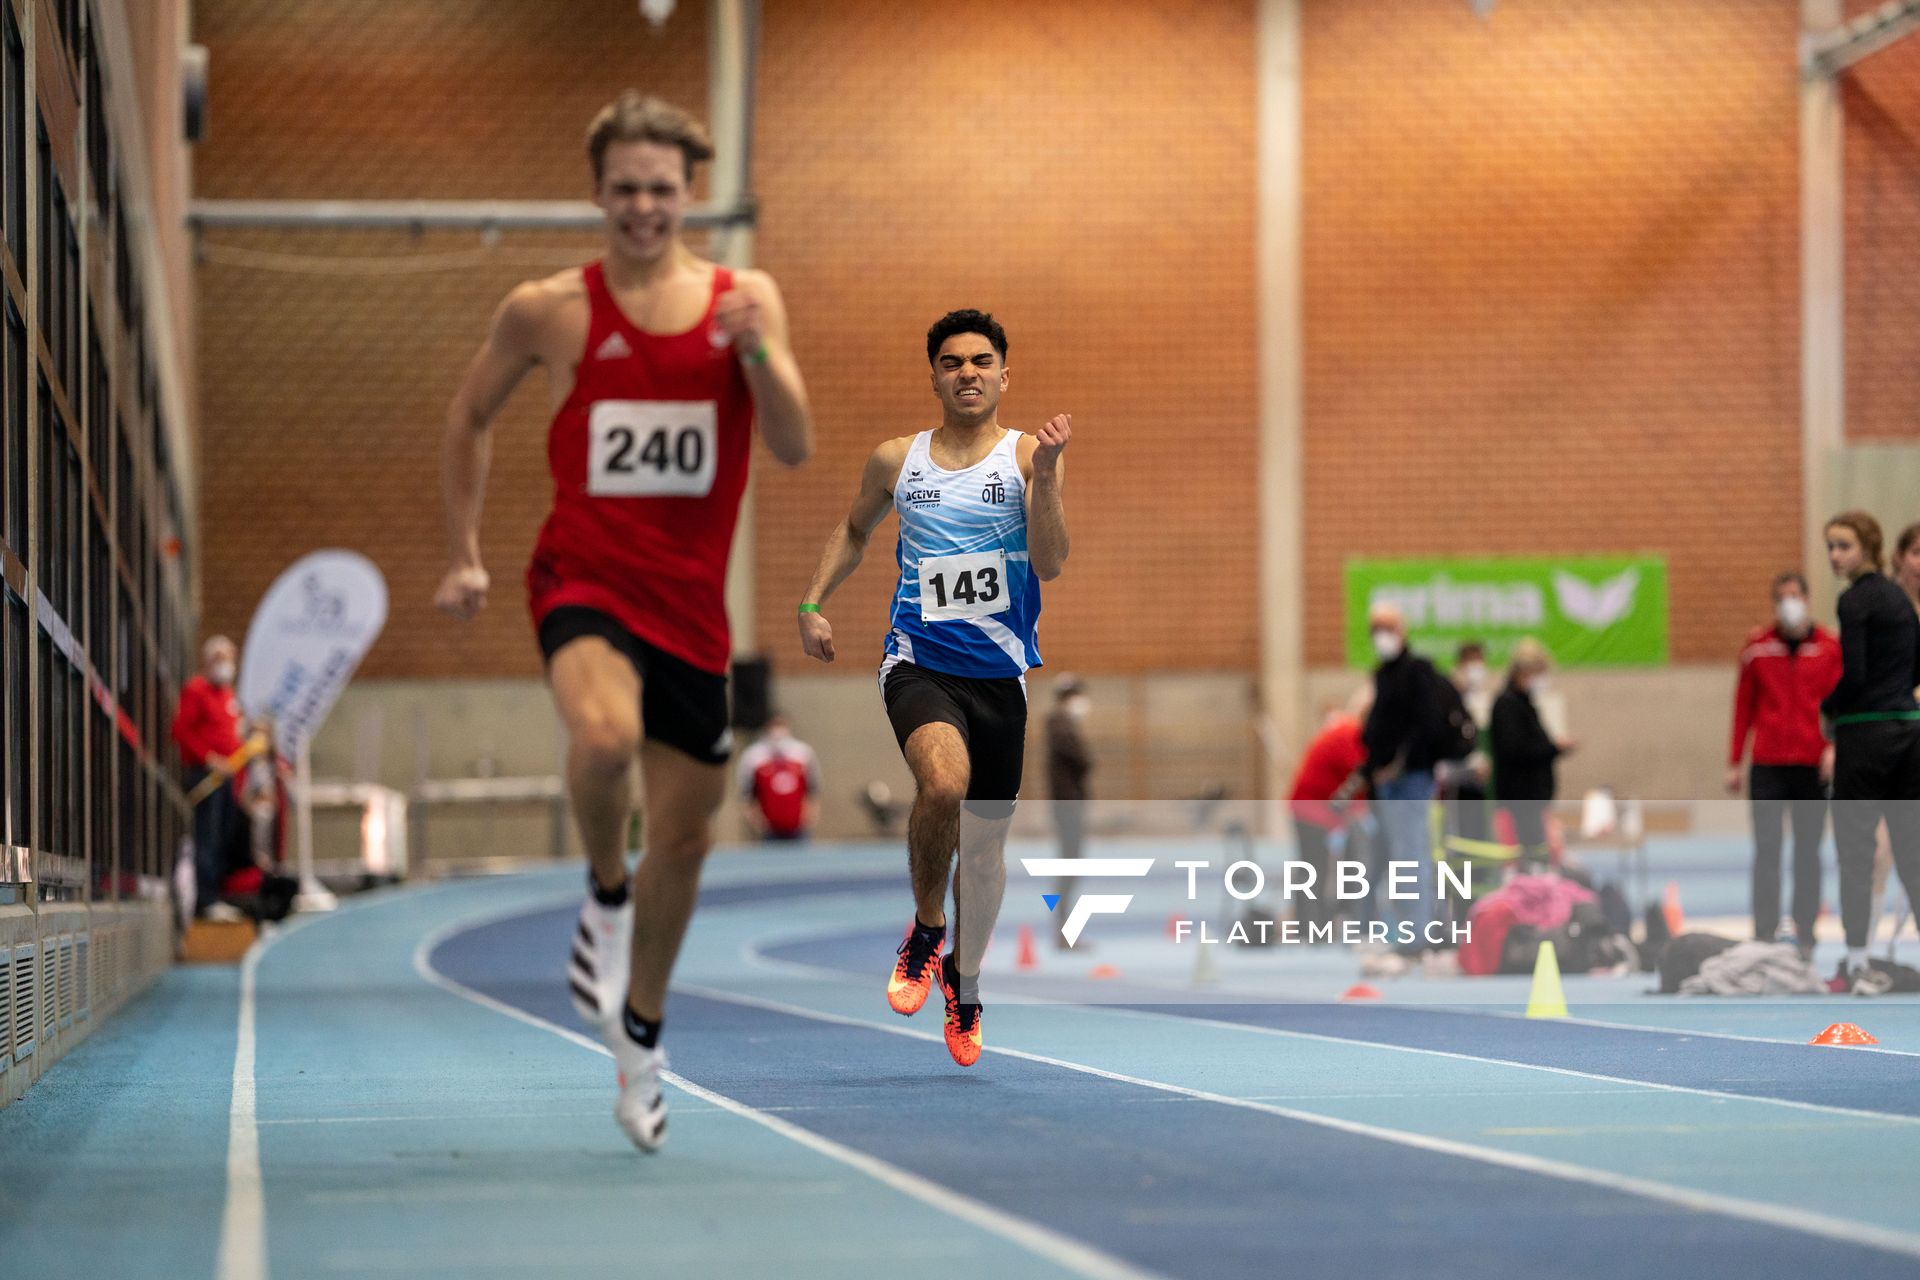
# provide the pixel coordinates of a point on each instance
(1387, 645)
(221, 673)
(1792, 612)
(1475, 676)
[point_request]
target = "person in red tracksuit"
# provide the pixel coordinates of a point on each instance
(206, 728)
(1785, 670)
(1321, 802)
(780, 782)
(659, 365)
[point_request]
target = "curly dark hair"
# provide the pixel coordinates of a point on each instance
(968, 321)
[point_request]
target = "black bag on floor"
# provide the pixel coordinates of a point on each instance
(1685, 954)
(1613, 903)
(1906, 979)
(1520, 949)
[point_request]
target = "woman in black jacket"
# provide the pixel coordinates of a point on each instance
(1523, 751)
(1876, 733)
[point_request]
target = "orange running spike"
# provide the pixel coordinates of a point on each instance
(1026, 959)
(1360, 991)
(1843, 1035)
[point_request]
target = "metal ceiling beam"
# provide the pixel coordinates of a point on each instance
(1831, 52)
(423, 215)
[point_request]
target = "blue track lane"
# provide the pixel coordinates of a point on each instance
(405, 1131)
(1789, 1072)
(1176, 1185)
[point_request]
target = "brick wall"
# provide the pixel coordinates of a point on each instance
(1086, 173)
(1551, 286)
(1099, 200)
(1882, 99)
(325, 376)
(1551, 292)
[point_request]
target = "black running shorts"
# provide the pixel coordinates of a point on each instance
(680, 705)
(991, 716)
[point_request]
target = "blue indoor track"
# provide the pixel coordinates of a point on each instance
(401, 1088)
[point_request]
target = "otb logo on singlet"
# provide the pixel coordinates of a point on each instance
(994, 490)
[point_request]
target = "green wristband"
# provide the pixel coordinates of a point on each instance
(759, 354)
(809, 608)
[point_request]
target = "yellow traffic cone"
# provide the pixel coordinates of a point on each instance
(1203, 965)
(1546, 1000)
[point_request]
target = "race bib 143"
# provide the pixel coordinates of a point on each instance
(968, 586)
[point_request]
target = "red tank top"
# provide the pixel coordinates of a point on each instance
(649, 459)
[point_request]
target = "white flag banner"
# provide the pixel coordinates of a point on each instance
(309, 634)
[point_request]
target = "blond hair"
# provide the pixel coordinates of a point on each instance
(1529, 655)
(639, 117)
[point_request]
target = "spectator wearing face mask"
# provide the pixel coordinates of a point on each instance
(1785, 670)
(1403, 737)
(1524, 752)
(1470, 677)
(206, 728)
(1069, 768)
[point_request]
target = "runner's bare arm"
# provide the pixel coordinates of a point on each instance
(847, 544)
(1046, 516)
(754, 315)
(511, 348)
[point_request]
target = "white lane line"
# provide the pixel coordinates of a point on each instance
(1082, 1259)
(242, 1252)
(755, 954)
(1814, 1011)
(1808, 1222)
(1721, 1095)
(243, 1224)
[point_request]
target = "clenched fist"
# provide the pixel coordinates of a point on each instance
(816, 636)
(463, 592)
(1053, 439)
(738, 319)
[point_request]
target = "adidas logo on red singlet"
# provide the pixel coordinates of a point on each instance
(614, 348)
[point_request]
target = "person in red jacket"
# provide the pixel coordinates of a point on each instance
(780, 782)
(206, 728)
(1785, 670)
(1320, 788)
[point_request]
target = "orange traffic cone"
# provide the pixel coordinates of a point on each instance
(1670, 907)
(1843, 1035)
(1026, 959)
(1360, 991)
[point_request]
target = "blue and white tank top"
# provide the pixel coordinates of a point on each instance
(967, 603)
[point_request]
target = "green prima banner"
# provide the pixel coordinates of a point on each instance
(1590, 611)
